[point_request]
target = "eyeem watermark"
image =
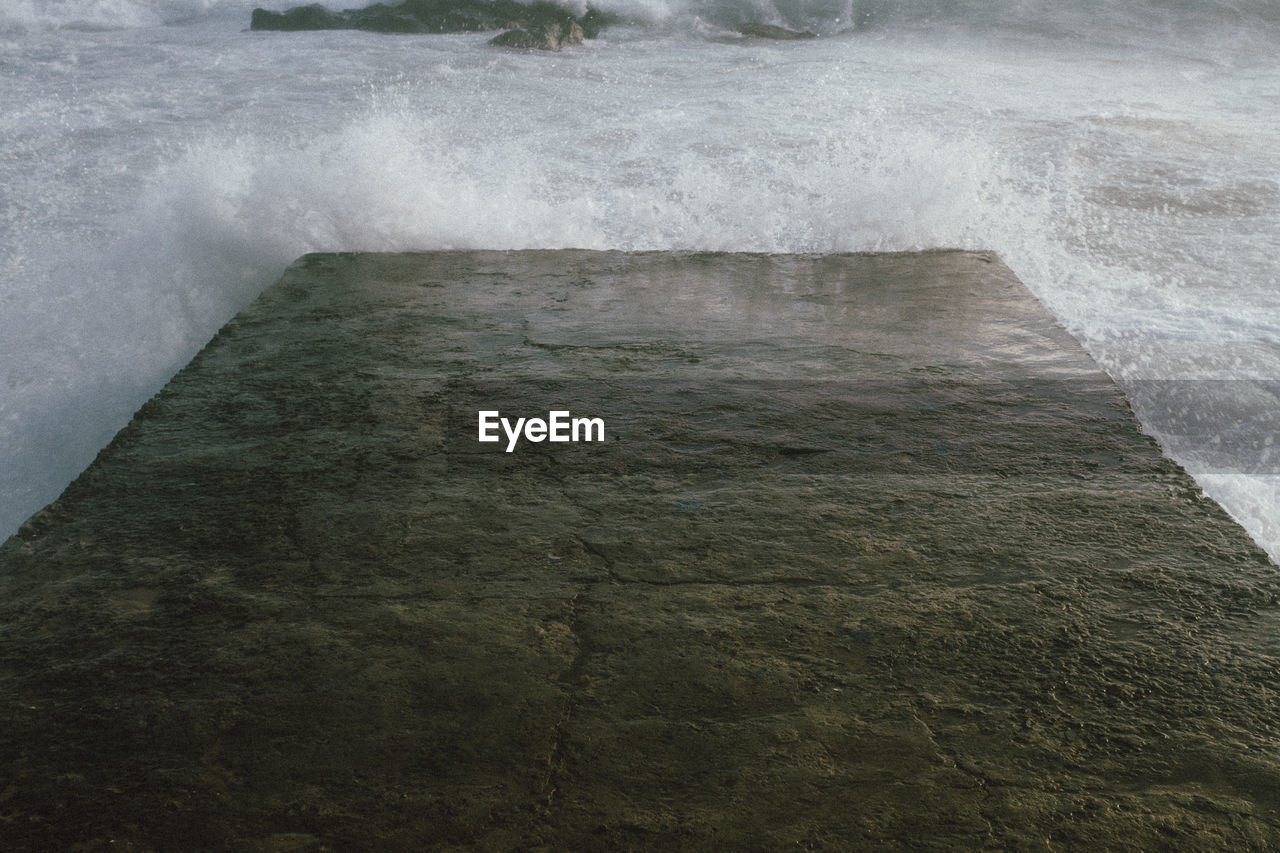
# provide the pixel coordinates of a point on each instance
(558, 426)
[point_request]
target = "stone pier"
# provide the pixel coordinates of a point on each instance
(870, 556)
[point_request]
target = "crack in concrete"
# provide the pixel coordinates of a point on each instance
(557, 762)
(595, 551)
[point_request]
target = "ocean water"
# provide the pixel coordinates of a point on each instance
(160, 165)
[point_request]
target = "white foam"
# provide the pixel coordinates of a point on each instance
(1138, 200)
(100, 14)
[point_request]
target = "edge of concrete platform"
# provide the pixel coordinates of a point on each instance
(874, 555)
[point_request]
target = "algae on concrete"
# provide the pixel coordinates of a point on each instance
(873, 557)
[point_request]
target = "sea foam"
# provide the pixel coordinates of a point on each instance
(159, 178)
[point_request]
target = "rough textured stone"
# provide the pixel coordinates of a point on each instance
(543, 26)
(873, 558)
(547, 35)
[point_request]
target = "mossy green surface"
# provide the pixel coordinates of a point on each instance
(873, 558)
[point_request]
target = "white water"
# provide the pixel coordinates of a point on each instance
(160, 165)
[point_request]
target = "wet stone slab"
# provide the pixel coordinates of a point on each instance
(872, 556)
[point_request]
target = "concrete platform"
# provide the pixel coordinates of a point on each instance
(871, 557)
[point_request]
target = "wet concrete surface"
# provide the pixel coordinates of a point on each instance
(871, 557)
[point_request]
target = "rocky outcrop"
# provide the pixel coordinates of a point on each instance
(543, 26)
(534, 26)
(549, 35)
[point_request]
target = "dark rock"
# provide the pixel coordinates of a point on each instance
(462, 16)
(313, 17)
(549, 35)
(542, 26)
(768, 31)
(380, 18)
(593, 22)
